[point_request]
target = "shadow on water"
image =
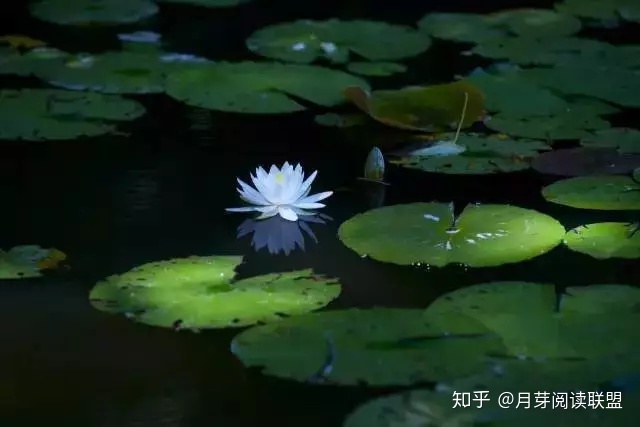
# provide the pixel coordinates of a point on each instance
(116, 202)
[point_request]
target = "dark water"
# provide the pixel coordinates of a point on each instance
(117, 202)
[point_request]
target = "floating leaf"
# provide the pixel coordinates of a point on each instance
(515, 96)
(595, 192)
(598, 10)
(19, 41)
(462, 27)
(137, 71)
(540, 23)
(613, 84)
(412, 347)
(28, 261)
(260, 88)
(81, 12)
(425, 108)
(573, 123)
(585, 161)
(24, 64)
(376, 69)
(430, 233)
(605, 240)
(481, 155)
(625, 140)
(40, 114)
(200, 292)
(305, 41)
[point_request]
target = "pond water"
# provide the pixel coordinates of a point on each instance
(159, 192)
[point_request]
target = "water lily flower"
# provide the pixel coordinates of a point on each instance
(283, 191)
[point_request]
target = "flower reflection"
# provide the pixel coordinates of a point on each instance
(279, 235)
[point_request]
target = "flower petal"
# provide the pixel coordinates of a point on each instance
(306, 185)
(287, 213)
(309, 205)
(268, 214)
(315, 197)
(242, 209)
(251, 195)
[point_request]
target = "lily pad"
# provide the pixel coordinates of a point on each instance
(605, 240)
(28, 261)
(598, 10)
(259, 88)
(201, 292)
(82, 12)
(376, 69)
(612, 84)
(421, 108)
(430, 233)
(625, 140)
(19, 63)
(41, 114)
(305, 41)
(130, 71)
(540, 23)
(461, 27)
(573, 123)
(481, 155)
(585, 161)
(207, 3)
(604, 192)
(349, 347)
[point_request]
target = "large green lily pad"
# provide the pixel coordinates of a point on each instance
(605, 240)
(28, 261)
(611, 10)
(603, 192)
(41, 114)
(80, 12)
(305, 41)
(430, 233)
(380, 346)
(201, 292)
(18, 63)
(526, 317)
(474, 28)
(481, 155)
(625, 140)
(208, 3)
(129, 71)
(612, 84)
(260, 88)
(514, 96)
(572, 123)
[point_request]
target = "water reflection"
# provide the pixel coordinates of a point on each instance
(279, 235)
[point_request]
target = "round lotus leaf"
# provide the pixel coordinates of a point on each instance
(41, 114)
(617, 85)
(593, 9)
(531, 326)
(429, 233)
(605, 240)
(462, 27)
(482, 155)
(572, 123)
(376, 69)
(517, 97)
(379, 346)
(585, 161)
(81, 12)
(130, 71)
(260, 88)
(625, 140)
(305, 41)
(201, 292)
(603, 192)
(539, 23)
(28, 261)
(207, 3)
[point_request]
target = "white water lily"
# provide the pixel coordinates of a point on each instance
(283, 191)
